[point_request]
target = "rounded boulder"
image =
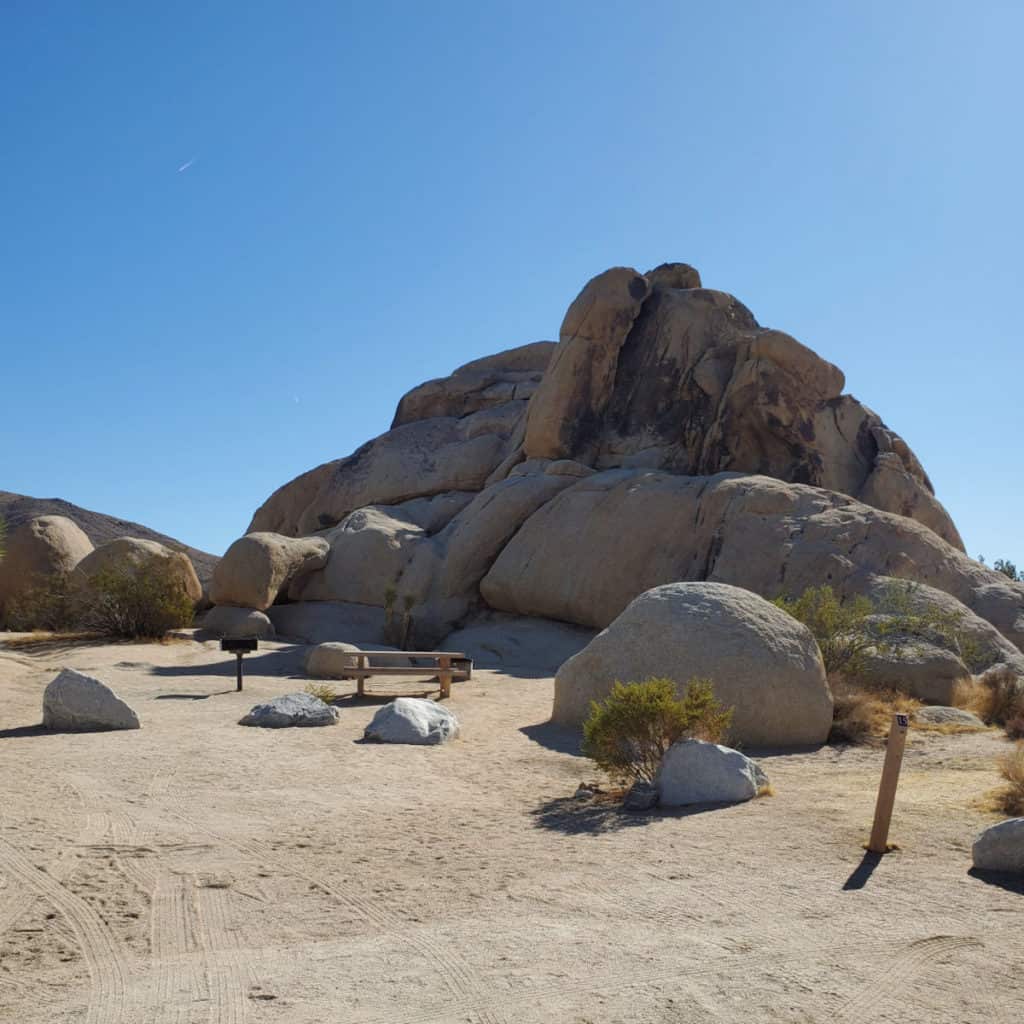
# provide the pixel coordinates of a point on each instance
(761, 661)
(42, 547)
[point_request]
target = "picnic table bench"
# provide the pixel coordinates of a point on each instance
(446, 665)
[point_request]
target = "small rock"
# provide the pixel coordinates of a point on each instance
(642, 796)
(412, 720)
(1001, 847)
(74, 702)
(300, 709)
(227, 620)
(939, 715)
(695, 772)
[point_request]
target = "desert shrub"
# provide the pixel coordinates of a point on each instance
(1010, 799)
(862, 714)
(134, 602)
(322, 691)
(45, 604)
(843, 629)
(997, 697)
(847, 631)
(628, 732)
(908, 619)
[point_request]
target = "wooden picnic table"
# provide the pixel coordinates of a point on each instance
(447, 665)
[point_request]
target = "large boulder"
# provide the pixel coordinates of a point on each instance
(946, 716)
(915, 667)
(369, 551)
(316, 622)
(135, 556)
(293, 709)
(482, 384)
(75, 702)
(40, 548)
(226, 620)
(1001, 847)
(518, 646)
(258, 566)
(331, 660)
(584, 555)
(761, 661)
(412, 720)
(696, 772)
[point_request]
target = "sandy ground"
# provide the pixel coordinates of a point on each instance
(196, 871)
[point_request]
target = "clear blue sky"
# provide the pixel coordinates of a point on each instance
(377, 192)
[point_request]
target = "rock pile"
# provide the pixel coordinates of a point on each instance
(667, 437)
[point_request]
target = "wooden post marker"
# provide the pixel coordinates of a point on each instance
(878, 843)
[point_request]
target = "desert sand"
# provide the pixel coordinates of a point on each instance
(196, 871)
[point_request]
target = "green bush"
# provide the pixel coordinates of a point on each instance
(136, 602)
(843, 629)
(846, 631)
(46, 603)
(628, 733)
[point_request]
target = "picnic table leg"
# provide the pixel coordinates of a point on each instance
(360, 679)
(445, 675)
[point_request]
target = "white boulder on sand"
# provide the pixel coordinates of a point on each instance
(761, 661)
(412, 720)
(1001, 847)
(298, 709)
(227, 620)
(939, 715)
(74, 702)
(330, 660)
(695, 772)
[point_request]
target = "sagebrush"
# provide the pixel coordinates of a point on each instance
(628, 733)
(138, 602)
(847, 632)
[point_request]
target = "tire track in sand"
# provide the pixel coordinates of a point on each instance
(460, 979)
(909, 962)
(108, 970)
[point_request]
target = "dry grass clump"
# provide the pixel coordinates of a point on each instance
(322, 691)
(997, 698)
(1010, 798)
(862, 714)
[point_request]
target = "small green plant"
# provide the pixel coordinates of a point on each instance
(390, 596)
(628, 732)
(322, 691)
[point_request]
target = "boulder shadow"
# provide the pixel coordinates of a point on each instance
(1009, 881)
(560, 738)
(284, 664)
(574, 816)
(20, 732)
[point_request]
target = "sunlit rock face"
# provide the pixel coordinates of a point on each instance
(666, 437)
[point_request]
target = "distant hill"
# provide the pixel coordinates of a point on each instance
(99, 528)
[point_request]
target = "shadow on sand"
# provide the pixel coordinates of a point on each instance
(576, 816)
(1001, 879)
(560, 738)
(862, 872)
(285, 664)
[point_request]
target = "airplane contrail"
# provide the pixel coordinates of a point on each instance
(186, 165)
